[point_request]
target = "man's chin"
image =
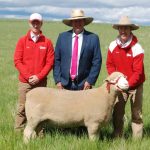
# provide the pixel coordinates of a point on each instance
(35, 31)
(78, 31)
(124, 37)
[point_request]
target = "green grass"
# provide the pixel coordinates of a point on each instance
(11, 30)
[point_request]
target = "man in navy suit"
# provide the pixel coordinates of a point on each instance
(89, 58)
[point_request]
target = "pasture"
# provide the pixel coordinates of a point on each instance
(11, 31)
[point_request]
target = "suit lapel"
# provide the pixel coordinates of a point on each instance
(69, 44)
(83, 43)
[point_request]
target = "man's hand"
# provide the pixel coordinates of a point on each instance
(59, 85)
(87, 86)
(33, 80)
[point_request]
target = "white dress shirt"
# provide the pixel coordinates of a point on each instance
(34, 37)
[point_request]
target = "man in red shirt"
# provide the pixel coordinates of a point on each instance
(126, 55)
(33, 58)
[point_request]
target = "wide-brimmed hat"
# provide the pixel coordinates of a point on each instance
(77, 14)
(125, 21)
(35, 16)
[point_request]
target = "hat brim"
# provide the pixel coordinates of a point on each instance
(36, 20)
(133, 26)
(68, 22)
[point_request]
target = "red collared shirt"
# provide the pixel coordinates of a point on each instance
(127, 59)
(33, 58)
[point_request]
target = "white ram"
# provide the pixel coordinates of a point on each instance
(90, 108)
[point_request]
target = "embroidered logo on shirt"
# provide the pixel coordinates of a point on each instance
(42, 47)
(129, 55)
(27, 47)
(117, 52)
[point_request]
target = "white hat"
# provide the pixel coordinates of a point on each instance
(35, 16)
(125, 21)
(77, 14)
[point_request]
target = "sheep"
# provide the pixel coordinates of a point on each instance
(63, 108)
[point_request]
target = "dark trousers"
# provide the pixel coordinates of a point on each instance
(73, 85)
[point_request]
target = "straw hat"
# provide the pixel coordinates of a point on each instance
(77, 14)
(125, 21)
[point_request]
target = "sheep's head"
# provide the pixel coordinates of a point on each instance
(114, 75)
(114, 79)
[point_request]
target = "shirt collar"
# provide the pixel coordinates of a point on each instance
(79, 35)
(34, 35)
(124, 45)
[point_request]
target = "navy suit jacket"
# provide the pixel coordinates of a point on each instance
(89, 62)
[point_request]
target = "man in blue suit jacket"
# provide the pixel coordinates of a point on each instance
(89, 54)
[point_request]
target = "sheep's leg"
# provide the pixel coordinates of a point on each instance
(40, 129)
(29, 131)
(93, 131)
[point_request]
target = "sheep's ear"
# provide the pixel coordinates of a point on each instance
(110, 81)
(106, 80)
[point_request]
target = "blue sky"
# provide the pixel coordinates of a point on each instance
(108, 11)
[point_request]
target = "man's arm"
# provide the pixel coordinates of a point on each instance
(49, 62)
(18, 60)
(96, 63)
(109, 63)
(57, 62)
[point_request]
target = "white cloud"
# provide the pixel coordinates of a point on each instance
(103, 11)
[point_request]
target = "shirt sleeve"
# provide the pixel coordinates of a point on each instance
(57, 64)
(96, 62)
(49, 62)
(138, 70)
(18, 60)
(109, 63)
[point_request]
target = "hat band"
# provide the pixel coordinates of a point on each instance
(78, 16)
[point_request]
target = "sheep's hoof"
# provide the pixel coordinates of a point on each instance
(26, 140)
(28, 137)
(33, 136)
(93, 137)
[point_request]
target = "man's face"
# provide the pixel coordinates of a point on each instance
(124, 32)
(35, 26)
(78, 25)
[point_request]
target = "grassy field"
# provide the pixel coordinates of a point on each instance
(11, 30)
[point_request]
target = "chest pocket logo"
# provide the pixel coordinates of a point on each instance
(129, 55)
(42, 47)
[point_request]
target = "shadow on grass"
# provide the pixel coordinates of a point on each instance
(65, 131)
(147, 130)
(105, 132)
(79, 132)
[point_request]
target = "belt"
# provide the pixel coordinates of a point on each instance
(75, 80)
